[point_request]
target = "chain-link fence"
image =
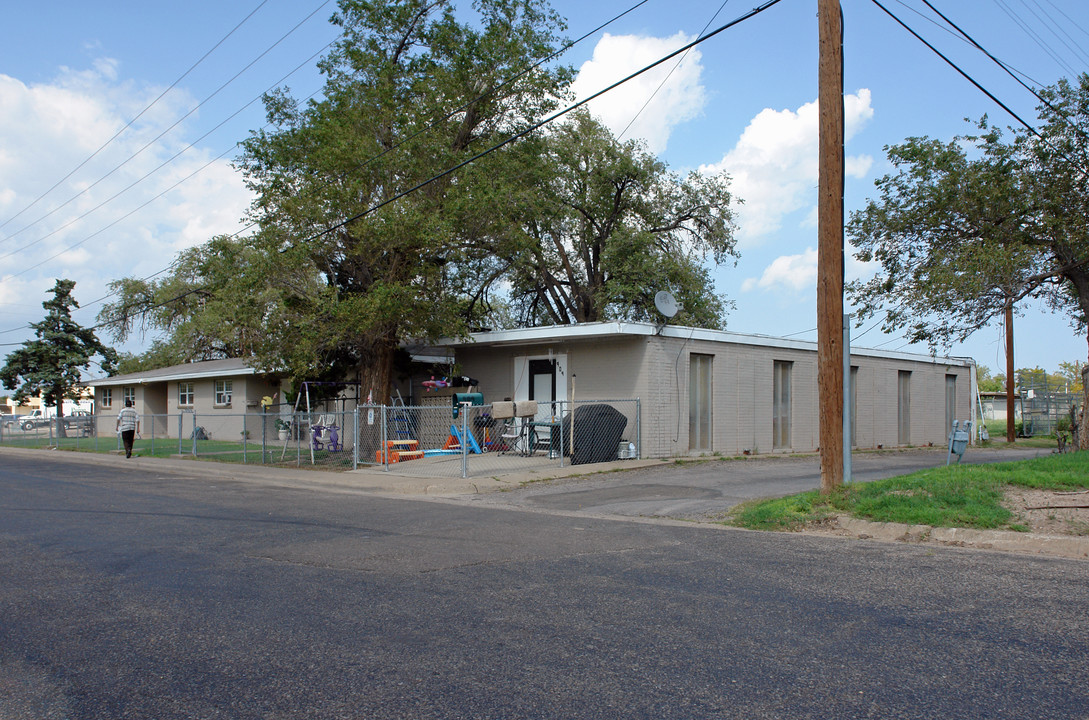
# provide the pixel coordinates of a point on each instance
(482, 440)
(288, 439)
(1043, 405)
(429, 441)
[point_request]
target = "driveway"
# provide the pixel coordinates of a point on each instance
(705, 490)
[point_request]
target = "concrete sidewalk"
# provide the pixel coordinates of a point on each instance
(370, 479)
(531, 492)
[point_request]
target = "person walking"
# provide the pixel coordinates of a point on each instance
(128, 424)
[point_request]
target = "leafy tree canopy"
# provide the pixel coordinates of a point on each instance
(609, 227)
(962, 230)
(364, 240)
(52, 363)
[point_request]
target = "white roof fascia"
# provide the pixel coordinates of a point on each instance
(551, 334)
(136, 379)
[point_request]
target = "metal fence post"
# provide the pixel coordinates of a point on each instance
(385, 441)
(561, 407)
(194, 434)
(355, 438)
(638, 429)
(464, 441)
(181, 431)
(245, 437)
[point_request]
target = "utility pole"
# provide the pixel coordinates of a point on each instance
(1011, 430)
(830, 244)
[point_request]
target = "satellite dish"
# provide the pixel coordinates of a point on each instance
(666, 303)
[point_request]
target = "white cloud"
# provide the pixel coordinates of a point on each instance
(48, 129)
(798, 273)
(774, 164)
(680, 98)
(790, 272)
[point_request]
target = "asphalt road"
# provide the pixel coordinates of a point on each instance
(134, 593)
(706, 490)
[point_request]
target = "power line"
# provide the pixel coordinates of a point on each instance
(668, 75)
(167, 130)
(433, 124)
(953, 65)
(152, 172)
(138, 115)
(274, 85)
(755, 11)
(541, 123)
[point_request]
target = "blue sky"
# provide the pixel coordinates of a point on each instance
(73, 74)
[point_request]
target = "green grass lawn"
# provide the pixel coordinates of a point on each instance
(216, 450)
(954, 496)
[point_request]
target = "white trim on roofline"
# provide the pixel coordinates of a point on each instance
(584, 331)
(178, 372)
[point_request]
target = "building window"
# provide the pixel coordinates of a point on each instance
(128, 395)
(223, 392)
(107, 397)
(780, 410)
(950, 401)
(699, 402)
(185, 394)
(852, 391)
(903, 410)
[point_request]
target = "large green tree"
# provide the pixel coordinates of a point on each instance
(384, 127)
(412, 89)
(964, 229)
(52, 364)
(606, 226)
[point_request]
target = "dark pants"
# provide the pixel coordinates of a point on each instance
(126, 440)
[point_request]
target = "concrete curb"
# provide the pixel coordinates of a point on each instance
(1003, 540)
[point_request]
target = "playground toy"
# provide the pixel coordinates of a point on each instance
(434, 384)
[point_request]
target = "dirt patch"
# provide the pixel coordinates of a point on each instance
(1055, 514)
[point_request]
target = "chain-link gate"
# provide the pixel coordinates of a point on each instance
(1043, 405)
(480, 440)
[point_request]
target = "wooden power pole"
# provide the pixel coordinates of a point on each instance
(830, 244)
(1011, 430)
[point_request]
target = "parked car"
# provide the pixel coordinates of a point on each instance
(8, 421)
(81, 421)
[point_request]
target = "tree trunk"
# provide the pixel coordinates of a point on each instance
(1083, 429)
(377, 377)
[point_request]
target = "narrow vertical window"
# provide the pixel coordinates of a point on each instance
(185, 394)
(950, 402)
(128, 395)
(853, 390)
(699, 402)
(780, 409)
(107, 397)
(903, 409)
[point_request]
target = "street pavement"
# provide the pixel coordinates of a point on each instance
(149, 590)
(705, 490)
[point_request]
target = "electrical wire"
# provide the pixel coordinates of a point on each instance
(138, 115)
(963, 74)
(752, 13)
(668, 75)
(1032, 34)
(167, 130)
(149, 174)
(541, 123)
(358, 167)
(252, 224)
